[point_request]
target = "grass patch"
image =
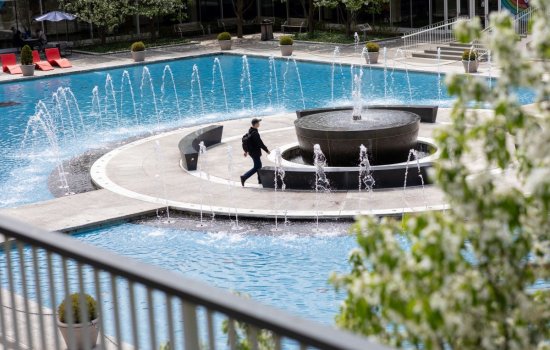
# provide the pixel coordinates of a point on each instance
(125, 46)
(338, 37)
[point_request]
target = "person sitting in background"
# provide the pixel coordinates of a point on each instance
(42, 40)
(16, 39)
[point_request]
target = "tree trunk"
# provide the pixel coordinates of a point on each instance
(310, 17)
(152, 29)
(239, 13)
(102, 31)
(349, 19)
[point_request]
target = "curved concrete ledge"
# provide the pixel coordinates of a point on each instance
(189, 144)
(137, 171)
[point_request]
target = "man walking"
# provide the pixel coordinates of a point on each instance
(253, 146)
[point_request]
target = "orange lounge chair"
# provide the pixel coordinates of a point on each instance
(39, 64)
(53, 56)
(9, 64)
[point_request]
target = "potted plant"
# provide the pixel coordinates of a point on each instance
(80, 327)
(371, 52)
(138, 51)
(469, 61)
(285, 43)
(224, 39)
(27, 66)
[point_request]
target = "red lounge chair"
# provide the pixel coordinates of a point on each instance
(42, 65)
(9, 64)
(53, 56)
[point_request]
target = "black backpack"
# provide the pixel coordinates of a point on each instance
(245, 139)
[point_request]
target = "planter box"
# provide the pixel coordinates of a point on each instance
(371, 57)
(286, 50)
(138, 56)
(28, 70)
(80, 330)
(470, 66)
(225, 44)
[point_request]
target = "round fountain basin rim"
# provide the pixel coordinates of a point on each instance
(426, 160)
(298, 123)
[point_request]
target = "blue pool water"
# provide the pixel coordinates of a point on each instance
(89, 120)
(289, 271)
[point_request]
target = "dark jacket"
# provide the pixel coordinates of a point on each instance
(255, 143)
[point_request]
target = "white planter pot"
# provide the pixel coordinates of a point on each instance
(79, 330)
(225, 44)
(470, 66)
(286, 50)
(371, 57)
(27, 69)
(138, 56)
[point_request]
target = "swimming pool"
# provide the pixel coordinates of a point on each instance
(89, 110)
(289, 271)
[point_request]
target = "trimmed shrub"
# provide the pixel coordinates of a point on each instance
(372, 47)
(469, 55)
(75, 303)
(224, 36)
(26, 55)
(137, 46)
(286, 40)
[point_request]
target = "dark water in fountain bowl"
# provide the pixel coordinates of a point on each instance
(371, 119)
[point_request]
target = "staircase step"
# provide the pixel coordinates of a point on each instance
(445, 53)
(451, 48)
(465, 46)
(434, 56)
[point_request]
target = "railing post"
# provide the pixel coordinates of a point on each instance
(190, 329)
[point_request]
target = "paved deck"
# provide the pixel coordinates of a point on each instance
(251, 45)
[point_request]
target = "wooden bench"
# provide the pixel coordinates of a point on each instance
(189, 144)
(294, 24)
(189, 27)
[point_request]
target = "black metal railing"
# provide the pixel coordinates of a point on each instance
(137, 306)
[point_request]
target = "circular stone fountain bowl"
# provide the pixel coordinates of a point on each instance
(387, 134)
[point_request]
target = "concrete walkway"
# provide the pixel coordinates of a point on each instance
(80, 211)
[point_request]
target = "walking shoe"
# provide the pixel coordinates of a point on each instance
(242, 180)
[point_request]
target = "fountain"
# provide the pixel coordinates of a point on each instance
(366, 181)
(147, 80)
(388, 135)
(245, 79)
(439, 74)
(273, 85)
(322, 184)
(278, 182)
(168, 72)
(195, 78)
(160, 177)
(202, 153)
(126, 77)
(212, 91)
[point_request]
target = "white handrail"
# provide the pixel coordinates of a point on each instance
(432, 26)
(430, 36)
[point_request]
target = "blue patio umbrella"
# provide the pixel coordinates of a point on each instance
(56, 16)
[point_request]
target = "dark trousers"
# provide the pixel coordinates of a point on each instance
(257, 166)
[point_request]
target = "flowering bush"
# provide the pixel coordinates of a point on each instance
(464, 278)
